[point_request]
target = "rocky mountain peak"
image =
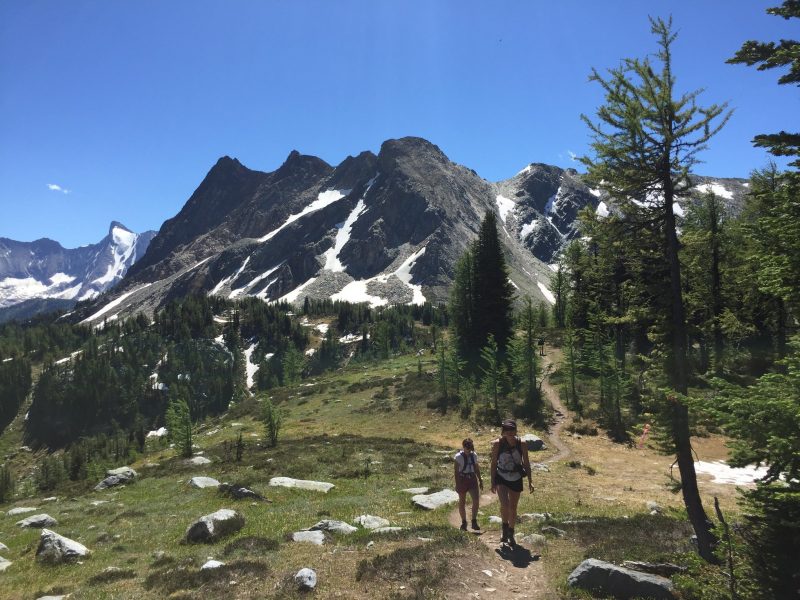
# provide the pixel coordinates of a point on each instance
(408, 153)
(302, 166)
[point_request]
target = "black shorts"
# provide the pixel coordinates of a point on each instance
(514, 486)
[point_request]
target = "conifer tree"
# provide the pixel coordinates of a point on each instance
(769, 55)
(179, 424)
(645, 141)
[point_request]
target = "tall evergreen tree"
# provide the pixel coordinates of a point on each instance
(645, 142)
(769, 55)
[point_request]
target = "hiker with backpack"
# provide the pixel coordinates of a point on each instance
(510, 464)
(468, 479)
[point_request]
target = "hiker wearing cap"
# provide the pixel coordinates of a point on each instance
(509, 464)
(468, 478)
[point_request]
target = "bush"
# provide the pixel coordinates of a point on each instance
(6, 483)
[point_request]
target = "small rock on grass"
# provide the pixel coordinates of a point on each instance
(212, 564)
(334, 527)
(210, 528)
(311, 537)
(20, 510)
(57, 549)
(434, 501)
(4, 564)
(306, 579)
(38, 521)
(554, 531)
(371, 521)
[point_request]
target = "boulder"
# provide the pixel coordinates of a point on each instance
(371, 521)
(388, 529)
(663, 569)
(123, 472)
(306, 579)
(56, 549)
(416, 490)
(4, 564)
(434, 501)
(60, 597)
(3, 547)
(210, 528)
(115, 477)
(534, 540)
(527, 517)
(239, 492)
(203, 482)
(606, 578)
(38, 521)
(533, 442)
(198, 461)
(301, 484)
(554, 531)
(311, 537)
(654, 507)
(21, 510)
(495, 519)
(212, 564)
(334, 527)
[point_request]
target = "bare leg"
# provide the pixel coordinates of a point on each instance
(462, 509)
(511, 510)
(502, 495)
(475, 502)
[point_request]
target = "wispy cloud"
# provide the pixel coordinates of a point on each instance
(572, 156)
(54, 187)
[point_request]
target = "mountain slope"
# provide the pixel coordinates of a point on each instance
(380, 229)
(34, 272)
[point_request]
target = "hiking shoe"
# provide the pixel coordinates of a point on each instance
(511, 541)
(504, 537)
(475, 525)
(463, 525)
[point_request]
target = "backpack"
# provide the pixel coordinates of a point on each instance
(519, 467)
(467, 461)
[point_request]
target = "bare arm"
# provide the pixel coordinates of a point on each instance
(527, 464)
(478, 473)
(493, 467)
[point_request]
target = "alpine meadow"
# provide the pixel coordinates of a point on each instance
(266, 397)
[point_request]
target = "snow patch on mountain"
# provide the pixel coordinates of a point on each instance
(332, 262)
(252, 368)
(225, 280)
(324, 199)
(504, 206)
(122, 250)
(715, 188)
(602, 210)
(528, 229)
(356, 291)
(545, 292)
(114, 303)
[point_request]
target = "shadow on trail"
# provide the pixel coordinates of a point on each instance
(518, 556)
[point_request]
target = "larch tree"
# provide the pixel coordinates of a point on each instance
(645, 142)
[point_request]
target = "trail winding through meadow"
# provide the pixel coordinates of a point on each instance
(520, 572)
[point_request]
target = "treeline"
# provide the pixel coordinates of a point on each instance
(15, 384)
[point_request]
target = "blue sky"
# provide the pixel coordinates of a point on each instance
(124, 106)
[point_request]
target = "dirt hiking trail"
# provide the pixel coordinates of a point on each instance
(510, 573)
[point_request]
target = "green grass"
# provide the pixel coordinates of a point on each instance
(369, 430)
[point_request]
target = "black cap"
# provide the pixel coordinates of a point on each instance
(509, 424)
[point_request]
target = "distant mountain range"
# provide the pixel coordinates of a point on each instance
(382, 229)
(42, 275)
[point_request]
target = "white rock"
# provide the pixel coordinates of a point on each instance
(4, 564)
(50, 499)
(124, 472)
(98, 502)
(388, 529)
(312, 537)
(371, 521)
(306, 579)
(487, 572)
(417, 490)
(41, 520)
(436, 500)
(212, 564)
(20, 510)
(198, 461)
(301, 484)
(212, 527)
(3, 547)
(334, 526)
(495, 519)
(57, 549)
(203, 482)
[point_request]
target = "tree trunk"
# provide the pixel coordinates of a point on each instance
(677, 372)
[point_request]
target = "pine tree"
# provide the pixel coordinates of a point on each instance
(524, 359)
(645, 143)
(769, 55)
(273, 421)
(179, 424)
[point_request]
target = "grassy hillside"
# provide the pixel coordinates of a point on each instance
(367, 429)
